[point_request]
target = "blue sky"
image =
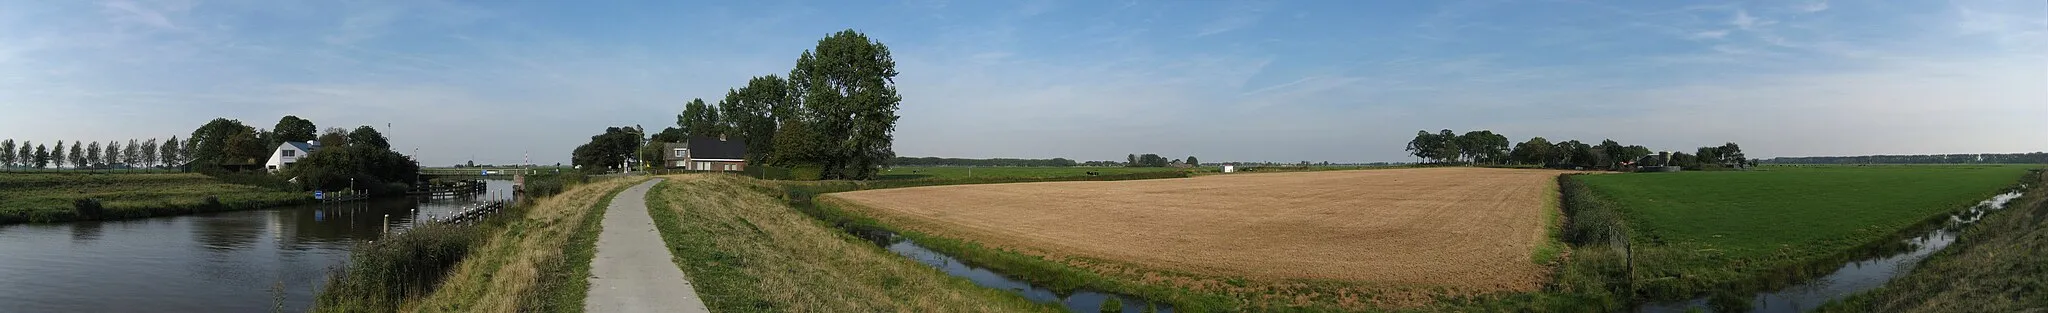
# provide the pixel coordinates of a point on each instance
(1285, 81)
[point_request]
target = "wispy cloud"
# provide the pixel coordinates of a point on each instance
(1238, 15)
(1811, 7)
(131, 11)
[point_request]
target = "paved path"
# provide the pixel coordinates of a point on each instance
(633, 271)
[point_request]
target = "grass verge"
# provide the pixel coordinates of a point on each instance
(1738, 231)
(745, 250)
(2000, 264)
(50, 197)
(502, 268)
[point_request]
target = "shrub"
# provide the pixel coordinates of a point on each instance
(1112, 305)
(807, 172)
(88, 207)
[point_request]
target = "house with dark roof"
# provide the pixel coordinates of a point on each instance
(705, 153)
(288, 153)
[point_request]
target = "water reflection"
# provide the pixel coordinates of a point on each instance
(217, 262)
(1079, 301)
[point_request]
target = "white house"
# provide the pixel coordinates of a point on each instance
(289, 153)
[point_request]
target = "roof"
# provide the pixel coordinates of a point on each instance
(303, 146)
(704, 147)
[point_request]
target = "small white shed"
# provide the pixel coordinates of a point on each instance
(1229, 168)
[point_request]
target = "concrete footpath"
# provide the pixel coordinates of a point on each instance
(633, 271)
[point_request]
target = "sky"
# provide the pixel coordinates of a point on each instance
(1283, 81)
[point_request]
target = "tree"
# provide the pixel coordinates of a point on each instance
(333, 168)
(848, 89)
(796, 144)
(1192, 161)
(1133, 160)
(25, 155)
(42, 156)
(168, 152)
(210, 142)
(607, 150)
(148, 153)
(333, 137)
(1731, 154)
(185, 151)
(673, 134)
(368, 137)
(750, 113)
(131, 154)
(699, 119)
(92, 155)
(112, 155)
(1707, 156)
(1534, 151)
(57, 155)
(77, 155)
(7, 153)
(292, 128)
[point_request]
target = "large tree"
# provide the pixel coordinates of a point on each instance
(607, 150)
(293, 128)
(1731, 154)
(699, 119)
(210, 142)
(333, 137)
(367, 136)
(1534, 151)
(751, 113)
(1192, 161)
(848, 89)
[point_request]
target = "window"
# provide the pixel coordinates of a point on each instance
(289, 152)
(679, 163)
(730, 167)
(680, 152)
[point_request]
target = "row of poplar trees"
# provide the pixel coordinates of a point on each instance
(144, 153)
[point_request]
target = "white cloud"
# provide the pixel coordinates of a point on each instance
(1811, 7)
(1710, 34)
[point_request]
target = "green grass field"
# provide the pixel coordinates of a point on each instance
(48, 197)
(1697, 231)
(957, 172)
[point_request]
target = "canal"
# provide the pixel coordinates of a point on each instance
(242, 261)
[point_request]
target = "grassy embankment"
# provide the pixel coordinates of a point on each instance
(50, 197)
(1734, 232)
(1999, 264)
(534, 257)
(747, 251)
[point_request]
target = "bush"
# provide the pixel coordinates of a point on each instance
(88, 207)
(1112, 305)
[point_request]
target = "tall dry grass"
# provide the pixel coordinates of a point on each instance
(510, 272)
(748, 251)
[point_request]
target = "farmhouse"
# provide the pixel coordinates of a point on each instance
(289, 153)
(705, 153)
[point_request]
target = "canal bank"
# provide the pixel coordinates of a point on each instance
(237, 261)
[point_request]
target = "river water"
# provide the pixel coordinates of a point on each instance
(1856, 276)
(1083, 300)
(241, 261)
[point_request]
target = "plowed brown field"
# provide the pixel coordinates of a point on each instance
(1466, 228)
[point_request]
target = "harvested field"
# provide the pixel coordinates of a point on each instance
(1471, 229)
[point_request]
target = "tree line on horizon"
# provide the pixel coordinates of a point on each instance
(145, 153)
(1487, 147)
(1154, 160)
(223, 145)
(834, 113)
(2005, 158)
